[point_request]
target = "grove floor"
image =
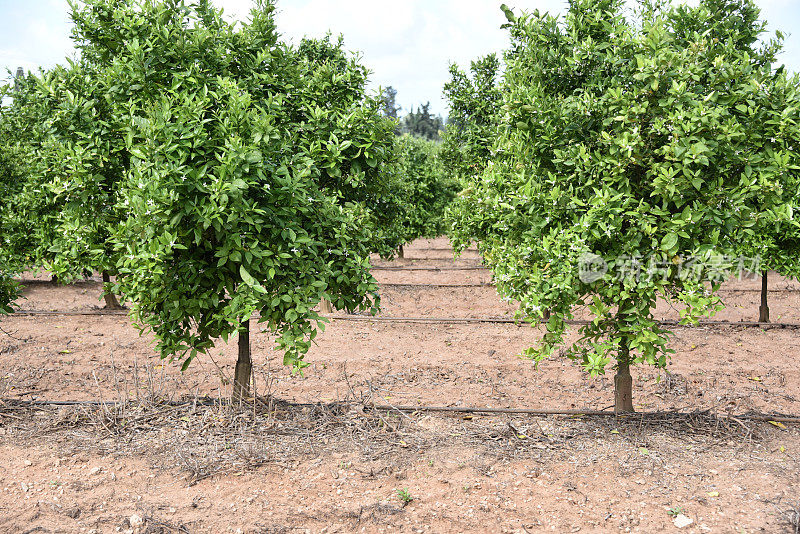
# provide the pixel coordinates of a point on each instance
(307, 467)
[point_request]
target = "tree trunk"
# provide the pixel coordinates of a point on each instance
(54, 279)
(325, 306)
(244, 365)
(546, 315)
(111, 300)
(400, 252)
(763, 310)
(623, 382)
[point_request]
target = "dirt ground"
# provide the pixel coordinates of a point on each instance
(181, 467)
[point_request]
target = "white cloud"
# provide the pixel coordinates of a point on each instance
(407, 44)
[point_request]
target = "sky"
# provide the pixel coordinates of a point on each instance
(408, 44)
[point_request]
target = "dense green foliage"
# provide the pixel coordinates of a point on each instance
(25, 216)
(81, 162)
(68, 157)
(260, 176)
(635, 145)
(427, 190)
(475, 111)
(14, 227)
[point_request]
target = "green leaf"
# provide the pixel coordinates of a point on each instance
(246, 278)
(669, 242)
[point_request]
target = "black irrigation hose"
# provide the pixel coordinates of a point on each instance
(426, 268)
(76, 313)
(430, 320)
(576, 322)
(207, 401)
(490, 284)
(437, 286)
(418, 285)
(438, 249)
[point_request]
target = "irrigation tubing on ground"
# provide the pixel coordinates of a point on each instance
(437, 286)
(427, 268)
(208, 401)
(432, 320)
(393, 284)
(490, 284)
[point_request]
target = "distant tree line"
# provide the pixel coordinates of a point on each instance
(419, 123)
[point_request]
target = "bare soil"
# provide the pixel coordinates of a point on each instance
(278, 467)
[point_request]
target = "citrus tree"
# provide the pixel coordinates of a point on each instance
(13, 170)
(69, 158)
(427, 190)
(626, 170)
(475, 101)
(258, 175)
(775, 242)
(24, 220)
(82, 162)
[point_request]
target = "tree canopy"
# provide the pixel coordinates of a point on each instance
(260, 176)
(628, 166)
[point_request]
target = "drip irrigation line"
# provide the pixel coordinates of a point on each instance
(754, 290)
(76, 313)
(574, 322)
(416, 285)
(433, 285)
(208, 401)
(426, 268)
(430, 320)
(490, 284)
(439, 249)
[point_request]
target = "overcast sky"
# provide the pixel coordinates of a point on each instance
(407, 44)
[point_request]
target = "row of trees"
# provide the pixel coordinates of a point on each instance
(214, 171)
(664, 139)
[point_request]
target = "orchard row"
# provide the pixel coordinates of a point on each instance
(213, 170)
(216, 171)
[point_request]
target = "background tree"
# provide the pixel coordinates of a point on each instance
(475, 113)
(421, 123)
(258, 176)
(623, 143)
(84, 160)
(25, 214)
(70, 156)
(774, 244)
(389, 102)
(427, 191)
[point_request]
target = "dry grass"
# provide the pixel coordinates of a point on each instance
(210, 438)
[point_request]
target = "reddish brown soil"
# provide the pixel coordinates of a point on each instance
(545, 474)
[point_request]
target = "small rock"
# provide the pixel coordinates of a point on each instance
(95, 471)
(681, 521)
(136, 521)
(27, 462)
(24, 486)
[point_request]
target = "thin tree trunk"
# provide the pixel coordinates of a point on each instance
(400, 252)
(623, 381)
(325, 306)
(763, 310)
(111, 300)
(54, 280)
(244, 365)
